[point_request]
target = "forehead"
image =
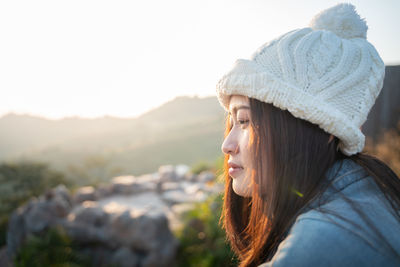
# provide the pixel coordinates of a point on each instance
(237, 101)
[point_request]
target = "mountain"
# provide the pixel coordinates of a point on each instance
(184, 130)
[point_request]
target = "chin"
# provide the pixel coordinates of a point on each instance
(241, 192)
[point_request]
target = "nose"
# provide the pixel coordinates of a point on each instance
(230, 146)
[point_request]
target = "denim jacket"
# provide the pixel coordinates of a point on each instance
(321, 239)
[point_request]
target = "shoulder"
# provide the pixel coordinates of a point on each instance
(332, 232)
(320, 242)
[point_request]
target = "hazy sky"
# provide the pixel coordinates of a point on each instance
(121, 58)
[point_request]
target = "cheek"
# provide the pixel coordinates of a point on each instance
(245, 145)
(245, 142)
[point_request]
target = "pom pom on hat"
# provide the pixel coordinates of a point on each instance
(342, 20)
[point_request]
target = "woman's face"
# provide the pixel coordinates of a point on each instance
(236, 145)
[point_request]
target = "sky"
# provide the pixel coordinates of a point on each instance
(122, 58)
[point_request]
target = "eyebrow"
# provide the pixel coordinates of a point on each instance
(235, 109)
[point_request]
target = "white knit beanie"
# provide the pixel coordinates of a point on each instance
(327, 73)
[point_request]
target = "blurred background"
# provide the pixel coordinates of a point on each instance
(115, 100)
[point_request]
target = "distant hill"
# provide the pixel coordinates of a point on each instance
(185, 130)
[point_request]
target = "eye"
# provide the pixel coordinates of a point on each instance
(243, 123)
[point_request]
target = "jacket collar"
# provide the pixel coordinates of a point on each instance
(343, 173)
(340, 175)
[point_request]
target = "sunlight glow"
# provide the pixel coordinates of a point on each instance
(96, 58)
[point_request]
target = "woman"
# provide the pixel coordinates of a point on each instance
(299, 191)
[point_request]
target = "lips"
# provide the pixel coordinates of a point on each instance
(234, 169)
(233, 165)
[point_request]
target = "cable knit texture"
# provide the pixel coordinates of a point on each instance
(327, 73)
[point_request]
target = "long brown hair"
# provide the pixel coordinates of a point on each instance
(299, 153)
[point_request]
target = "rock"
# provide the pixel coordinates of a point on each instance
(99, 255)
(148, 178)
(164, 257)
(5, 261)
(135, 230)
(127, 222)
(84, 194)
(104, 190)
(129, 184)
(146, 183)
(147, 232)
(123, 184)
(87, 234)
(60, 199)
(43, 213)
(140, 203)
(168, 174)
(209, 188)
(181, 170)
(62, 192)
(215, 188)
(191, 177)
(124, 257)
(38, 218)
(206, 176)
(16, 232)
(179, 196)
(192, 188)
(159, 187)
(170, 186)
(89, 213)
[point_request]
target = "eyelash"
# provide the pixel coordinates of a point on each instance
(241, 123)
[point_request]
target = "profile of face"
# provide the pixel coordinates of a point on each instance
(236, 145)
